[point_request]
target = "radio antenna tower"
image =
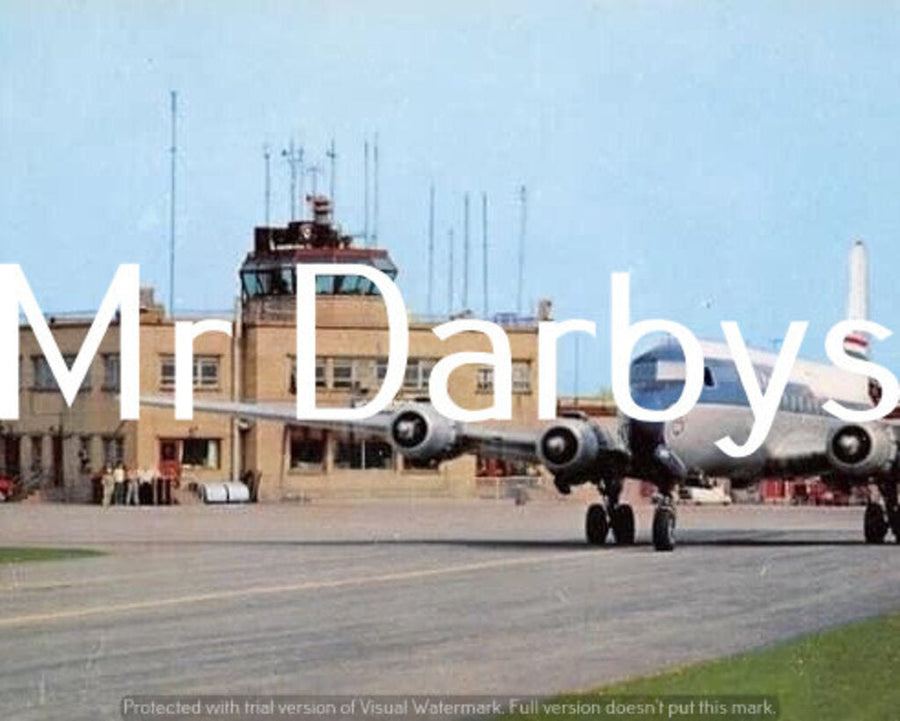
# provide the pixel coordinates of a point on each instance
(366, 193)
(484, 251)
(465, 296)
(431, 249)
(267, 160)
(332, 159)
(375, 191)
(294, 157)
(173, 150)
(450, 273)
(523, 220)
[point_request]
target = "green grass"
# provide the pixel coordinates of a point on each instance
(25, 555)
(848, 672)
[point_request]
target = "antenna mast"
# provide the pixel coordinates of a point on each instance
(450, 274)
(465, 293)
(332, 159)
(523, 199)
(267, 155)
(431, 249)
(375, 192)
(294, 157)
(366, 193)
(173, 151)
(484, 251)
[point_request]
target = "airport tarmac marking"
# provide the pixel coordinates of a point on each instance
(54, 616)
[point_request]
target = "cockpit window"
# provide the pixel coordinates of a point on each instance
(652, 372)
(670, 371)
(708, 379)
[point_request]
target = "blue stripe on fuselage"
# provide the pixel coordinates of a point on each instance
(722, 386)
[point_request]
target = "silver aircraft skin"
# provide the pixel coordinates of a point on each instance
(804, 440)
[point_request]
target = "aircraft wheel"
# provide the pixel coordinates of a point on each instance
(664, 529)
(622, 522)
(875, 526)
(596, 525)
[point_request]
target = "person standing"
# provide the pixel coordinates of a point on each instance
(119, 481)
(108, 485)
(131, 488)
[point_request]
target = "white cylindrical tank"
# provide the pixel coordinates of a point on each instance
(227, 492)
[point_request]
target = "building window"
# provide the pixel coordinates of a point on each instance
(368, 453)
(37, 453)
(381, 365)
(206, 371)
(307, 450)
(113, 450)
(43, 376)
(343, 373)
(200, 453)
(521, 377)
(418, 371)
(111, 372)
(320, 375)
(484, 379)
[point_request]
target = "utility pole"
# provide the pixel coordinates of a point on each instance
(267, 156)
(523, 199)
(465, 298)
(484, 252)
(173, 150)
(332, 159)
(294, 157)
(431, 249)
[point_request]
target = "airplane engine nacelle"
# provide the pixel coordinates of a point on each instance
(575, 449)
(862, 449)
(422, 434)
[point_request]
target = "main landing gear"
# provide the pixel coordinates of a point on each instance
(612, 515)
(881, 517)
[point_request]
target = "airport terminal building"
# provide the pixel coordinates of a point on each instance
(61, 450)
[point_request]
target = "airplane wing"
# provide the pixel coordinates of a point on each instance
(577, 449)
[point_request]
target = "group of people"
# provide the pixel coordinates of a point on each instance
(121, 486)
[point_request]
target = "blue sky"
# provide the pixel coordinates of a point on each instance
(726, 153)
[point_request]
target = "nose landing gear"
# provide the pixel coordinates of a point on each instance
(664, 523)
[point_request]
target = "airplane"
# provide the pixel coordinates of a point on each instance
(804, 440)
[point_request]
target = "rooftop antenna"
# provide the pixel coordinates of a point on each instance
(577, 363)
(366, 193)
(294, 157)
(430, 249)
(173, 151)
(465, 295)
(332, 159)
(314, 171)
(267, 156)
(484, 251)
(450, 273)
(375, 192)
(523, 220)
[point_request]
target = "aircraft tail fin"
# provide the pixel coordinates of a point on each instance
(857, 344)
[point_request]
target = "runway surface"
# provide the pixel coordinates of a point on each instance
(405, 597)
